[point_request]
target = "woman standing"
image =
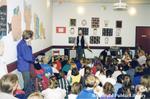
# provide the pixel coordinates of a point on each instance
(24, 56)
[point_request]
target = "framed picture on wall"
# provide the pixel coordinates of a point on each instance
(107, 32)
(72, 31)
(118, 31)
(118, 41)
(95, 22)
(83, 22)
(84, 30)
(95, 31)
(60, 29)
(94, 39)
(71, 40)
(72, 22)
(118, 24)
(106, 22)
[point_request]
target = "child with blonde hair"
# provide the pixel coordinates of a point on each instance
(35, 95)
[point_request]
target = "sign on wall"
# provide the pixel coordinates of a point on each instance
(3, 18)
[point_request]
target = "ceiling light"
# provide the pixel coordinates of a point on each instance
(132, 11)
(80, 10)
(120, 5)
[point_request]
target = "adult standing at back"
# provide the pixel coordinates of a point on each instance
(24, 56)
(80, 45)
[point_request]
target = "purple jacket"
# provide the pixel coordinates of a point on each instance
(24, 56)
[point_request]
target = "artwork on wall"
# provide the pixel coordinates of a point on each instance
(27, 15)
(3, 18)
(95, 31)
(71, 40)
(72, 22)
(95, 22)
(83, 22)
(9, 27)
(118, 24)
(107, 32)
(42, 31)
(72, 31)
(1, 48)
(94, 39)
(36, 27)
(106, 22)
(118, 31)
(60, 29)
(106, 40)
(16, 25)
(118, 40)
(84, 30)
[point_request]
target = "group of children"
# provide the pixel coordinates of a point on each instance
(64, 78)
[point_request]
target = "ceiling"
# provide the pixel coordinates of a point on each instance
(106, 1)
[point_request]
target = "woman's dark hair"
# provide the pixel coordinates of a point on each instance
(109, 73)
(120, 78)
(74, 72)
(108, 88)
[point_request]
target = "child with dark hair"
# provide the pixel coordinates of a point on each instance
(66, 67)
(119, 83)
(108, 91)
(63, 83)
(127, 90)
(75, 76)
(109, 77)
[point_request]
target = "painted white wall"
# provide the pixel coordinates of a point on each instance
(44, 13)
(63, 12)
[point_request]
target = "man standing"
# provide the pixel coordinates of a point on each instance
(80, 45)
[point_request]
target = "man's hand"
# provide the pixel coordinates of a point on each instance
(73, 47)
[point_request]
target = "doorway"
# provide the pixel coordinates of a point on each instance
(143, 38)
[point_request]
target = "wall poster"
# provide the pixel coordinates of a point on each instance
(118, 24)
(3, 18)
(16, 25)
(42, 31)
(84, 30)
(118, 31)
(94, 39)
(95, 31)
(60, 29)
(36, 27)
(71, 40)
(95, 22)
(72, 22)
(72, 30)
(27, 15)
(118, 41)
(107, 32)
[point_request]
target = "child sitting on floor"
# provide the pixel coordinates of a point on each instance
(46, 67)
(9, 87)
